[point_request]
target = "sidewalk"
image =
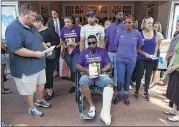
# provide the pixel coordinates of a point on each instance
(64, 111)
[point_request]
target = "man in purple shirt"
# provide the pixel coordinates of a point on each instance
(99, 56)
(110, 36)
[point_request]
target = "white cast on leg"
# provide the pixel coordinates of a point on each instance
(106, 109)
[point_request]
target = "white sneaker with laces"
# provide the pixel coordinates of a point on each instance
(35, 112)
(92, 112)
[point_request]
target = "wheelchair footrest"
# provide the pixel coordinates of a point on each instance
(85, 117)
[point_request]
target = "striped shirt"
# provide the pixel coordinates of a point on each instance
(96, 30)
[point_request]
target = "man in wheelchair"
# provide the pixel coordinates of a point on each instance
(94, 62)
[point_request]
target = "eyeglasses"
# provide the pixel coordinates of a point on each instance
(90, 43)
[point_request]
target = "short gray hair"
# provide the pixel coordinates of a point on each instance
(26, 8)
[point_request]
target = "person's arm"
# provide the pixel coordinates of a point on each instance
(106, 68)
(101, 39)
(116, 40)
(28, 53)
(142, 53)
(82, 39)
(44, 45)
(80, 63)
(3, 46)
(82, 43)
(157, 44)
(173, 68)
(81, 68)
(107, 62)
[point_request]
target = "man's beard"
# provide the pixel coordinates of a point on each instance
(92, 23)
(93, 50)
(119, 20)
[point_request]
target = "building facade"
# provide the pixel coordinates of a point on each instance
(159, 10)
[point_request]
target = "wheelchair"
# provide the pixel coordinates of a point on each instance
(80, 97)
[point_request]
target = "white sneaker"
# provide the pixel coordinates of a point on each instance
(92, 112)
(130, 87)
(35, 112)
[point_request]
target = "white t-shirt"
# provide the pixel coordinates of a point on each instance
(160, 36)
(96, 30)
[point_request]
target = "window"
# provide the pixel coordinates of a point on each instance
(115, 8)
(103, 9)
(127, 10)
(78, 9)
(92, 8)
(68, 9)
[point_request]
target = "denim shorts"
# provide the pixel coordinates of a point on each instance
(100, 81)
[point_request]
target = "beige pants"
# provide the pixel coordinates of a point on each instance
(27, 84)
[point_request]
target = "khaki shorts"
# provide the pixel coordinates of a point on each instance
(27, 84)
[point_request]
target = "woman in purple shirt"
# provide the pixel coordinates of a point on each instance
(70, 37)
(144, 62)
(127, 41)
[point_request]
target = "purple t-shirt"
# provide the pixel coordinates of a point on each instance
(127, 45)
(86, 58)
(73, 34)
(111, 34)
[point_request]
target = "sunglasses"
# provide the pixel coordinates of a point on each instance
(90, 43)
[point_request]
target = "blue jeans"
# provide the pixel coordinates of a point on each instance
(101, 81)
(71, 61)
(112, 56)
(124, 73)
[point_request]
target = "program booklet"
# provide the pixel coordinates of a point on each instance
(94, 69)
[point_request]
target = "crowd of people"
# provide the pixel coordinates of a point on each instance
(119, 44)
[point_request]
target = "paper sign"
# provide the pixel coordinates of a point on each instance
(93, 70)
(49, 49)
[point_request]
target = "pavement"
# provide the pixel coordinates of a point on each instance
(64, 110)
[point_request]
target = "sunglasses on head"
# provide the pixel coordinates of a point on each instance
(90, 43)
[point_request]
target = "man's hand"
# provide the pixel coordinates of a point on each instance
(39, 54)
(87, 72)
(48, 44)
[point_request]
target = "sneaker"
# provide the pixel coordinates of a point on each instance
(92, 112)
(130, 87)
(35, 112)
(133, 83)
(146, 96)
(42, 103)
(116, 99)
(126, 101)
(136, 95)
(72, 90)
